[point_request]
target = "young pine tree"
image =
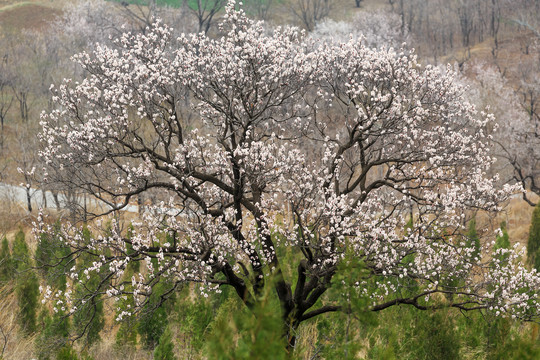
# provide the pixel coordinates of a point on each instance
(20, 252)
(67, 353)
(7, 267)
(27, 295)
(241, 334)
(53, 336)
(27, 288)
(52, 259)
(153, 321)
(90, 319)
(127, 333)
(503, 242)
(165, 348)
(154, 315)
(533, 245)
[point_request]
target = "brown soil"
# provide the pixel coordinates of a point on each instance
(26, 16)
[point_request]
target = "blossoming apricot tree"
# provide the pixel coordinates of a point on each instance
(324, 151)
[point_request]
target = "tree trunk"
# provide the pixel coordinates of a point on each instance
(28, 199)
(44, 198)
(22, 97)
(84, 209)
(56, 201)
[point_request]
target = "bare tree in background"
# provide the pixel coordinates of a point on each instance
(205, 10)
(259, 8)
(495, 25)
(27, 161)
(21, 90)
(466, 21)
(85, 23)
(6, 96)
(33, 61)
(142, 15)
(439, 25)
(310, 12)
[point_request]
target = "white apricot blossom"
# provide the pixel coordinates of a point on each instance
(339, 153)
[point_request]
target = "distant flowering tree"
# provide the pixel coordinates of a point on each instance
(314, 151)
(377, 29)
(517, 115)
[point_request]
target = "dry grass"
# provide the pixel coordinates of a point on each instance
(518, 215)
(17, 347)
(306, 341)
(107, 350)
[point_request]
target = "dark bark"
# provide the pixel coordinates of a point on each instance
(28, 199)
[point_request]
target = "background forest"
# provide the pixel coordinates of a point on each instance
(493, 45)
